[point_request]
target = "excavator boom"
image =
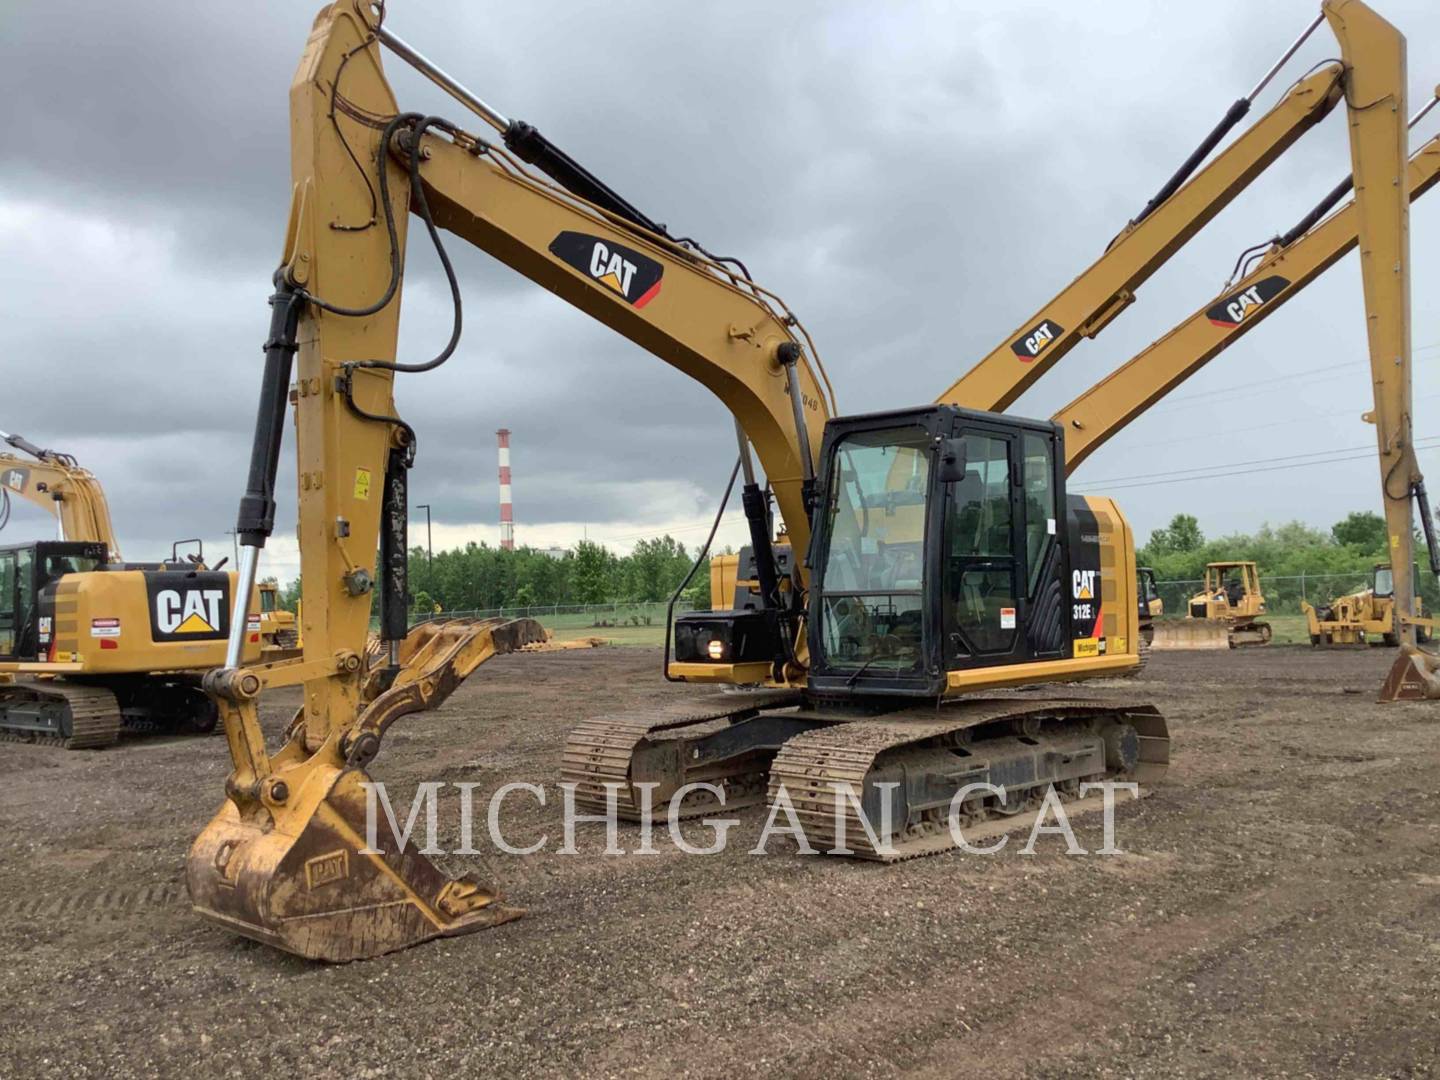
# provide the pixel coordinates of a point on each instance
(55, 482)
(1105, 288)
(943, 555)
(1109, 406)
(356, 164)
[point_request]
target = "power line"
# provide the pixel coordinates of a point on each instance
(1234, 469)
(1212, 435)
(1348, 366)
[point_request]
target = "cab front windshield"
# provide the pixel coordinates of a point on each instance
(1384, 581)
(874, 565)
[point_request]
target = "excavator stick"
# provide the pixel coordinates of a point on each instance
(295, 857)
(1174, 635)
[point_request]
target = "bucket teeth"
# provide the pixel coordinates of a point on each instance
(299, 858)
(321, 891)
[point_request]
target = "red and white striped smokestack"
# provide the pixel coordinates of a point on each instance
(507, 511)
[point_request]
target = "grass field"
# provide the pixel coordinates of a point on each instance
(651, 636)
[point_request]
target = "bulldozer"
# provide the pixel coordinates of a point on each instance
(279, 628)
(1224, 614)
(937, 559)
(1366, 616)
(90, 645)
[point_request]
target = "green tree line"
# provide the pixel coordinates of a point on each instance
(480, 577)
(1330, 563)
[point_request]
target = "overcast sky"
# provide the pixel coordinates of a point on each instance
(914, 179)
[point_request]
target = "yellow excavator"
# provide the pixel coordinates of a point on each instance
(90, 645)
(56, 483)
(1366, 616)
(940, 557)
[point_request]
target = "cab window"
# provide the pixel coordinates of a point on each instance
(1039, 505)
(873, 583)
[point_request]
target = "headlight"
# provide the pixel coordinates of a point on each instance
(715, 650)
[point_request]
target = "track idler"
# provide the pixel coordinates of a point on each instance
(287, 860)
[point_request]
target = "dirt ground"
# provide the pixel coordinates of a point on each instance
(1277, 913)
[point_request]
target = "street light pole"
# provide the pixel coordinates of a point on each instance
(429, 550)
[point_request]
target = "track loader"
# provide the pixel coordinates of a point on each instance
(941, 561)
(90, 645)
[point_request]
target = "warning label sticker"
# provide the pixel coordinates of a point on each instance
(104, 627)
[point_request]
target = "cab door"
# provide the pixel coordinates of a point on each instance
(1004, 564)
(9, 605)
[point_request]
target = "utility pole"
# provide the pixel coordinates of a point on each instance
(429, 549)
(234, 544)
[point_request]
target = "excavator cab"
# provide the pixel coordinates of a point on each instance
(908, 499)
(25, 572)
(935, 496)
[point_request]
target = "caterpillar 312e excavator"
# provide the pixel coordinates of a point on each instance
(941, 559)
(91, 645)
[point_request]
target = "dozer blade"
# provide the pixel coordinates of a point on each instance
(1415, 676)
(1190, 634)
(289, 858)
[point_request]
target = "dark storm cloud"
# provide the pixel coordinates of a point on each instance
(914, 179)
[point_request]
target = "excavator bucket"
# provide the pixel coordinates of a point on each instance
(1415, 676)
(304, 858)
(1189, 634)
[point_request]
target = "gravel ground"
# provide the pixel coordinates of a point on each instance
(1276, 913)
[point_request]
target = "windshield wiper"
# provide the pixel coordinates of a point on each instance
(859, 671)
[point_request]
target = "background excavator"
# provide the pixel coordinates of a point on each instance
(940, 556)
(91, 645)
(1269, 274)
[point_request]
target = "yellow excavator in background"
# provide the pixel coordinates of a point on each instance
(56, 483)
(1269, 275)
(91, 645)
(942, 555)
(1363, 617)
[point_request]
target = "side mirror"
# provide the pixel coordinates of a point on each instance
(952, 461)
